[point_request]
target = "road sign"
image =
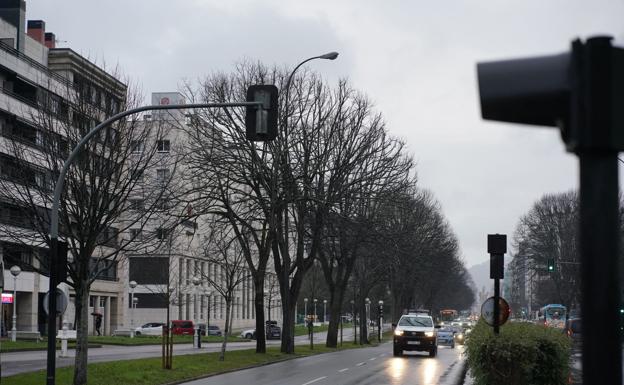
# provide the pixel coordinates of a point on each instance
(61, 302)
(487, 311)
(7, 298)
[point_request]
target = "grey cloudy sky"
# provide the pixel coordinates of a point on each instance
(415, 59)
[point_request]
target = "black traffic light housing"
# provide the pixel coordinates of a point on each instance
(575, 91)
(261, 121)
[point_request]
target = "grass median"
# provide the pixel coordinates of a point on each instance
(148, 371)
(24, 346)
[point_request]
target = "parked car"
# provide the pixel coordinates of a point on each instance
(213, 330)
(150, 329)
(182, 327)
(249, 334)
(273, 331)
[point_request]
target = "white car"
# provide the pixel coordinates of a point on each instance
(415, 331)
(150, 329)
(248, 334)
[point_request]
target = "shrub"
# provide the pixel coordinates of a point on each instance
(523, 353)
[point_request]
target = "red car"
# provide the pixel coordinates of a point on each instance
(182, 327)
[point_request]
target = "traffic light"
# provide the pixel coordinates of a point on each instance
(261, 122)
(551, 265)
(580, 91)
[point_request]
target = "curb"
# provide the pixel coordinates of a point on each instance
(461, 379)
(43, 349)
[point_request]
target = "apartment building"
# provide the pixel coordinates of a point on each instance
(165, 278)
(36, 80)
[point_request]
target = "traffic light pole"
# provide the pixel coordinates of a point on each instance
(599, 235)
(54, 215)
(496, 306)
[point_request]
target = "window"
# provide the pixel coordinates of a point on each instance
(162, 233)
(163, 145)
(137, 204)
(137, 175)
(162, 175)
(135, 234)
(137, 146)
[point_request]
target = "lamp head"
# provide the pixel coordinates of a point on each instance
(132, 284)
(330, 55)
(15, 270)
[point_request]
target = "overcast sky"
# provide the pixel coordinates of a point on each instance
(415, 59)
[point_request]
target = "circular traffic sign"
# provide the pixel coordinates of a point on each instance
(487, 311)
(61, 302)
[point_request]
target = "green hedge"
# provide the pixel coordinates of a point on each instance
(523, 353)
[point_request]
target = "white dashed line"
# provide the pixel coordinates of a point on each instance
(343, 370)
(314, 380)
(372, 359)
(360, 364)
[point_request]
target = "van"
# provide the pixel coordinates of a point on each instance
(182, 327)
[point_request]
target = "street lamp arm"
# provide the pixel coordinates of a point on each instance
(60, 182)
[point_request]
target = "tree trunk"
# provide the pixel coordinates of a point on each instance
(228, 306)
(335, 306)
(259, 305)
(363, 323)
(82, 334)
(288, 326)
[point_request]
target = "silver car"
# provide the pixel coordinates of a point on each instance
(150, 329)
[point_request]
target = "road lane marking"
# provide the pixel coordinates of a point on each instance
(372, 359)
(360, 364)
(343, 370)
(314, 380)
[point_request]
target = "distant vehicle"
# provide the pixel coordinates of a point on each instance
(415, 331)
(273, 331)
(150, 329)
(447, 316)
(213, 330)
(182, 327)
(249, 334)
(553, 315)
(446, 336)
(573, 329)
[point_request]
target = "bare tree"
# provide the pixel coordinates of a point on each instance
(222, 250)
(96, 211)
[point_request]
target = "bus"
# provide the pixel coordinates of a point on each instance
(553, 315)
(447, 316)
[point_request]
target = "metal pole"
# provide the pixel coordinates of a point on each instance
(132, 313)
(14, 329)
(496, 305)
(599, 236)
(51, 353)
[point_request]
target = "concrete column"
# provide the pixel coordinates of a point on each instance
(107, 318)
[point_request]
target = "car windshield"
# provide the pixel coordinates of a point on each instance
(415, 321)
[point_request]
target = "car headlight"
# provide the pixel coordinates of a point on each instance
(429, 334)
(460, 336)
(398, 332)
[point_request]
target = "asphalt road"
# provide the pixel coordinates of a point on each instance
(366, 366)
(22, 362)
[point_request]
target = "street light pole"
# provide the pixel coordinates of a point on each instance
(380, 326)
(315, 301)
(305, 310)
(15, 271)
(367, 318)
(324, 311)
(132, 285)
(196, 337)
(354, 323)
